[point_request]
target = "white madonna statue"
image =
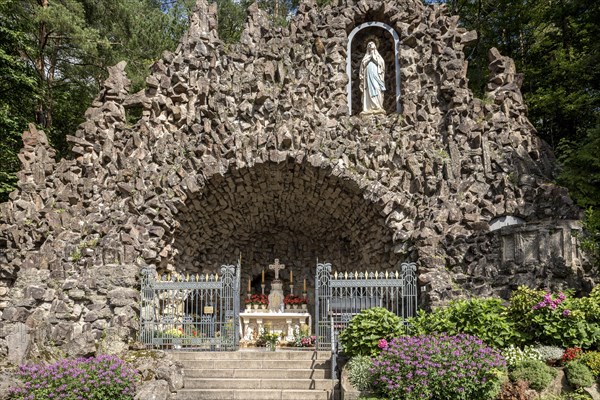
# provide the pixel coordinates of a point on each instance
(372, 86)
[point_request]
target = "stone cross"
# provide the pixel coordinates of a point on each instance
(277, 267)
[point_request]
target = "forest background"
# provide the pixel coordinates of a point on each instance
(54, 56)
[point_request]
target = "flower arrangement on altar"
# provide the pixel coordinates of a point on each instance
(292, 299)
(259, 299)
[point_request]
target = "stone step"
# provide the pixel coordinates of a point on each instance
(251, 355)
(244, 394)
(258, 373)
(255, 364)
(249, 383)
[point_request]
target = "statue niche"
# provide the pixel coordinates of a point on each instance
(373, 45)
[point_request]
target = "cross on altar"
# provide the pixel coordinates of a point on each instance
(276, 267)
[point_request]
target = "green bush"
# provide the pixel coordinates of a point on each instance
(592, 360)
(579, 375)
(534, 372)
(359, 373)
(366, 329)
(485, 318)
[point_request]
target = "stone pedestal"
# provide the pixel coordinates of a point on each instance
(276, 296)
(278, 322)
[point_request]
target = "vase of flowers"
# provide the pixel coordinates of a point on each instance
(303, 338)
(292, 301)
(268, 339)
(257, 301)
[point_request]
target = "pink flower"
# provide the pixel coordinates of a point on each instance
(566, 313)
(383, 344)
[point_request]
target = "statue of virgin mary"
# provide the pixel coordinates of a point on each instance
(371, 76)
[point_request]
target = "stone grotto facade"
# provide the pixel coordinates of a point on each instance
(252, 149)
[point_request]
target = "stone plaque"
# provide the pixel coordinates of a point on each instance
(529, 247)
(508, 248)
(556, 244)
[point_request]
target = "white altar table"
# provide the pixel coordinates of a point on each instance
(279, 321)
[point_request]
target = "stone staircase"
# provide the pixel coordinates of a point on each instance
(256, 375)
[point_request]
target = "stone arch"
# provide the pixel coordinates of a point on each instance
(290, 210)
(396, 38)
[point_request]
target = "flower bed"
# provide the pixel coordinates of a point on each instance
(438, 367)
(101, 377)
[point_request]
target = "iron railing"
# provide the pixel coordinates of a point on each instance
(192, 312)
(340, 296)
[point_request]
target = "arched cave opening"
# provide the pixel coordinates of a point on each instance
(294, 212)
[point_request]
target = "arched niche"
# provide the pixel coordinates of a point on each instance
(349, 69)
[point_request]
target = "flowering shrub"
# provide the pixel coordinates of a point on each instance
(549, 302)
(514, 355)
(556, 319)
(439, 367)
(571, 354)
(258, 299)
(104, 377)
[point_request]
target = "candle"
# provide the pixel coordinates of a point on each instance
(291, 277)
(249, 286)
(305, 284)
(263, 276)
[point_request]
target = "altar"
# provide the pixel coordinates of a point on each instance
(273, 317)
(277, 322)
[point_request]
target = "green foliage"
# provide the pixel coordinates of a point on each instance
(535, 372)
(231, 15)
(53, 59)
(555, 46)
(359, 373)
(592, 360)
(579, 375)
(515, 355)
(484, 318)
(365, 329)
(18, 94)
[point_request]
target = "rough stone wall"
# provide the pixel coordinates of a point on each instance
(249, 149)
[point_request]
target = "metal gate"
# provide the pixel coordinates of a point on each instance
(340, 296)
(192, 312)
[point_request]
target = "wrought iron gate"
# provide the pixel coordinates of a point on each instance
(340, 296)
(193, 312)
